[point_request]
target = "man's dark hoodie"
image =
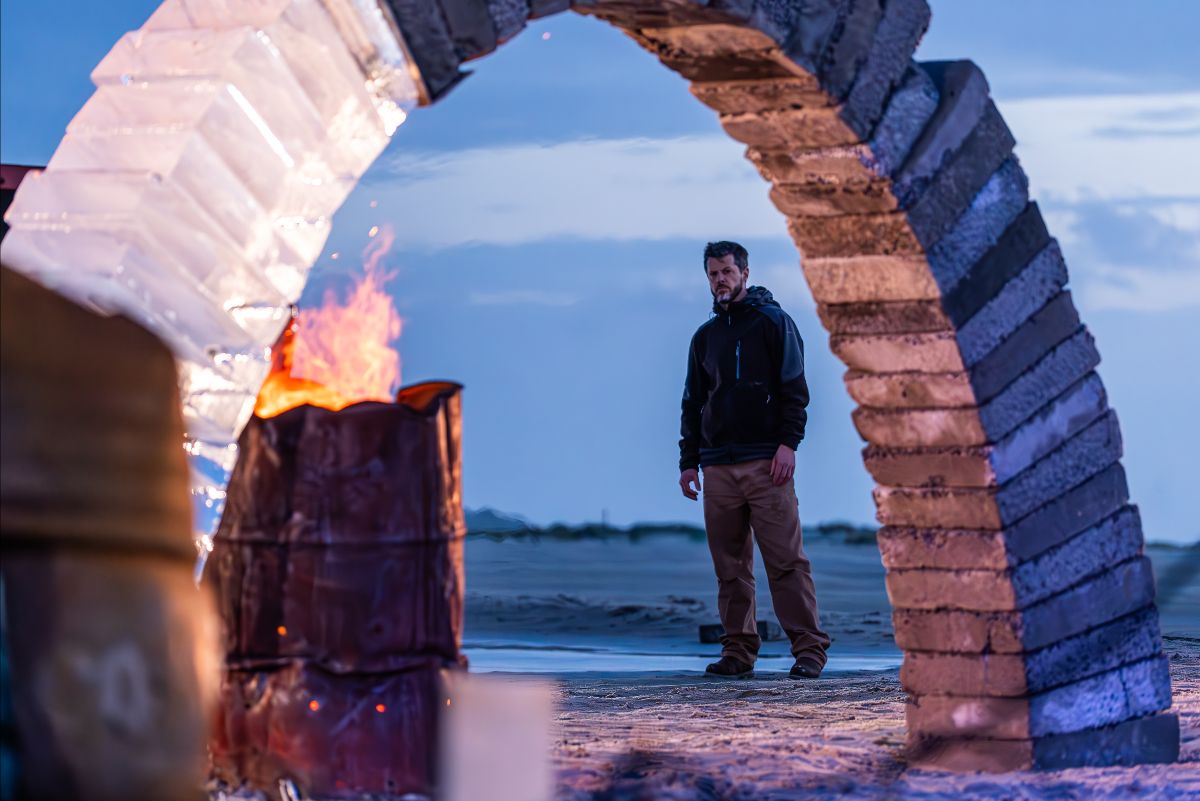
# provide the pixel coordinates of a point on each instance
(745, 393)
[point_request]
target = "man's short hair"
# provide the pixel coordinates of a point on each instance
(718, 250)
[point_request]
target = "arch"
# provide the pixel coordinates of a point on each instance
(1021, 596)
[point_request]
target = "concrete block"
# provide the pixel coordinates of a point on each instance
(544, 8)
(978, 228)
(1084, 455)
(975, 590)
(887, 317)
(903, 24)
(1153, 739)
(1049, 326)
(1123, 641)
(903, 548)
(508, 17)
(848, 45)
(1080, 458)
(470, 26)
(1125, 588)
(830, 198)
(1065, 364)
(966, 755)
(810, 27)
(631, 15)
(908, 111)
(888, 353)
(843, 164)
(910, 390)
(748, 65)
(856, 236)
(934, 211)
(937, 508)
(768, 94)
(432, 45)
(919, 428)
(1024, 238)
(706, 40)
(792, 128)
(867, 278)
(990, 590)
(992, 465)
(962, 96)
(958, 631)
(930, 467)
(990, 717)
(1132, 691)
(1042, 280)
(1002, 675)
(1114, 540)
(1054, 424)
(1070, 513)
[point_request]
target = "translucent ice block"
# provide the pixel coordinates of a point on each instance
(194, 189)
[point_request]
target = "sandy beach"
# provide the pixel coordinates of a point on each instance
(613, 624)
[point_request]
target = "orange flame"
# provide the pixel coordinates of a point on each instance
(340, 353)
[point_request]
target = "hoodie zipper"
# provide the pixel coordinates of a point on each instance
(737, 354)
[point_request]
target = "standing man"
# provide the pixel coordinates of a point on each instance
(743, 416)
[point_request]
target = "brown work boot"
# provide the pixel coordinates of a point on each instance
(805, 668)
(729, 667)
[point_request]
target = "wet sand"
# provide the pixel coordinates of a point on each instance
(683, 736)
(614, 625)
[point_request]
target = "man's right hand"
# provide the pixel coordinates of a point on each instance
(686, 479)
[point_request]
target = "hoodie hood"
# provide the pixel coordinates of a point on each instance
(755, 296)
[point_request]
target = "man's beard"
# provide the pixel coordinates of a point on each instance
(726, 295)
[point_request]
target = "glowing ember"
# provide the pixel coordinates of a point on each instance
(340, 353)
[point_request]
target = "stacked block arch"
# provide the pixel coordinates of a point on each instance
(1022, 598)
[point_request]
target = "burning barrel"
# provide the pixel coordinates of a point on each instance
(339, 572)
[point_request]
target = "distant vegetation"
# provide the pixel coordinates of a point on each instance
(500, 526)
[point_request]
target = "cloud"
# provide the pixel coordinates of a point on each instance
(614, 189)
(1138, 289)
(1108, 147)
(1075, 148)
(522, 297)
(1179, 216)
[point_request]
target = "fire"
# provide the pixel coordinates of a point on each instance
(340, 353)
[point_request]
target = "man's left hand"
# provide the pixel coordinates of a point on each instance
(783, 466)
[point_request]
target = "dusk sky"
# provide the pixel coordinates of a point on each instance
(550, 215)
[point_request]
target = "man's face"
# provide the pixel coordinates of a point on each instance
(725, 280)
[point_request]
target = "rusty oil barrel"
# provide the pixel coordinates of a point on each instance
(338, 568)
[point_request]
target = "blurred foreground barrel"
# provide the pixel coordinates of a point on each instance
(339, 575)
(111, 647)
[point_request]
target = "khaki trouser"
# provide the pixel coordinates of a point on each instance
(738, 498)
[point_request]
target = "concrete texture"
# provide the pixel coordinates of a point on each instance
(903, 24)
(1049, 326)
(1042, 279)
(883, 317)
(869, 278)
(878, 353)
(1141, 740)
(942, 548)
(1025, 236)
(980, 226)
(1080, 507)
(910, 390)
(1123, 641)
(1061, 367)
